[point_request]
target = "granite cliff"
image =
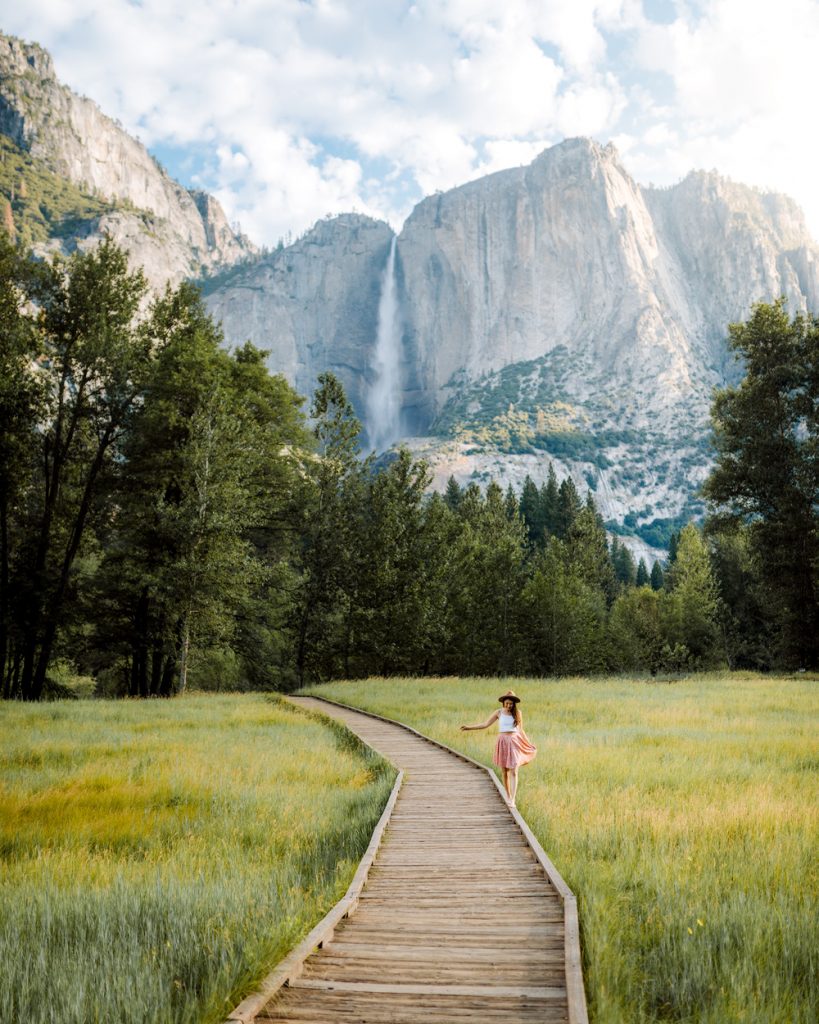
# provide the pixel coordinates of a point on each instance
(556, 312)
(313, 304)
(171, 232)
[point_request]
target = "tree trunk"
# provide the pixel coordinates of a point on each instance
(156, 669)
(168, 673)
(139, 662)
(27, 673)
(75, 536)
(4, 582)
(184, 650)
(13, 677)
(301, 648)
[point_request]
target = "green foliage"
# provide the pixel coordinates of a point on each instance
(766, 476)
(636, 631)
(641, 577)
(565, 615)
(164, 506)
(523, 408)
(390, 615)
(483, 607)
(146, 475)
(691, 604)
(91, 358)
(203, 456)
(748, 629)
(659, 532)
(43, 204)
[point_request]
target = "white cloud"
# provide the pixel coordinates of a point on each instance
(745, 78)
(301, 109)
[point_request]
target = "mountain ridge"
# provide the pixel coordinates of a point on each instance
(172, 232)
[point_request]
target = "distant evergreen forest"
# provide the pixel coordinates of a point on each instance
(171, 517)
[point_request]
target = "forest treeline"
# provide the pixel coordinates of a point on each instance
(172, 515)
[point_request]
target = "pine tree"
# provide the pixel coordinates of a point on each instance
(587, 550)
(623, 562)
(565, 616)
(550, 502)
(203, 449)
(568, 507)
(511, 504)
(691, 602)
(636, 639)
(657, 576)
(532, 511)
(749, 631)
(470, 507)
(486, 597)
(390, 622)
(327, 573)
(642, 578)
(453, 493)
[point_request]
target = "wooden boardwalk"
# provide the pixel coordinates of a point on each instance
(458, 920)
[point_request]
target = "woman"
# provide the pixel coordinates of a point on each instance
(512, 748)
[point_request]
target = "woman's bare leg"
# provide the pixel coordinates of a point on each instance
(506, 781)
(512, 784)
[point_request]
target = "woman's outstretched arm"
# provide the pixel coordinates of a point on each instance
(483, 725)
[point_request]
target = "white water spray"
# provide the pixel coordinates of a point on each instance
(384, 398)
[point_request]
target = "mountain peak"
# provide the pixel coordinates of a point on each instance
(23, 56)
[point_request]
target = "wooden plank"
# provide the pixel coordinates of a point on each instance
(249, 1007)
(578, 1013)
(475, 991)
(434, 937)
(378, 1008)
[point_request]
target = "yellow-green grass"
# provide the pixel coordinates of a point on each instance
(683, 816)
(159, 857)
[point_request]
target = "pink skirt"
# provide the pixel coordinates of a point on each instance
(513, 749)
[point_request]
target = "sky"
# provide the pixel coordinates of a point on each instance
(290, 110)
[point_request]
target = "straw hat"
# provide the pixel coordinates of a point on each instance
(509, 695)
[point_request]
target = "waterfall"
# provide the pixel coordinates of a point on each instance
(384, 398)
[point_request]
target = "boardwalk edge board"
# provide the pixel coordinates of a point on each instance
(289, 969)
(575, 992)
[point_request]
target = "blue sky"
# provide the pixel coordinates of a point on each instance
(289, 110)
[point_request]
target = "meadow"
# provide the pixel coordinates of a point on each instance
(685, 817)
(159, 857)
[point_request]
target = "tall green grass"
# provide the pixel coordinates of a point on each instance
(158, 857)
(684, 816)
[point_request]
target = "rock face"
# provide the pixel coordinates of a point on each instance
(551, 312)
(314, 305)
(170, 232)
(637, 285)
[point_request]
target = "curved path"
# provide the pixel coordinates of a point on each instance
(458, 920)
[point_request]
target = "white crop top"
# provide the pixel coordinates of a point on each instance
(506, 723)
